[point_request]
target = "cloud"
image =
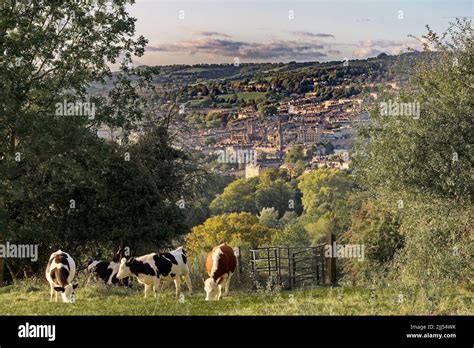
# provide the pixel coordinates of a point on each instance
(210, 34)
(308, 34)
(368, 48)
(216, 44)
(306, 46)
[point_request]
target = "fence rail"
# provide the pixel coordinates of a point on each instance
(290, 267)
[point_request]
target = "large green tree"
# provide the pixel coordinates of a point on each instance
(418, 169)
(238, 196)
(61, 185)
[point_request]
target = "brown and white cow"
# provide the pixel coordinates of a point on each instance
(60, 273)
(220, 266)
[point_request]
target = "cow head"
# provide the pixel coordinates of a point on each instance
(91, 266)
(124, 269)
(211, 288)
(67, 292)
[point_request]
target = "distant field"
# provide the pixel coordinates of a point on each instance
(192, 70)
(244, 95)
(195, 102)
(32, 298)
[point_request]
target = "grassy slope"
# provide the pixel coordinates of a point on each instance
(32, 298)
(244, 95)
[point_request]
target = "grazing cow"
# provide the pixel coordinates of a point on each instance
(220, 266)
(152, 269)
(106, 271)
(60, 273)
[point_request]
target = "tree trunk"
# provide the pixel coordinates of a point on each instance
(12, 271)
(2, 264)
(2, 242)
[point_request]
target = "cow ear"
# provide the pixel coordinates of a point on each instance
(59, 288)
(75, 286)
(203, 281)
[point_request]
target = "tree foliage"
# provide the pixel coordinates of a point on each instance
(421, 167)
(236, 229)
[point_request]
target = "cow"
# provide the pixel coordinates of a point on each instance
(60, 273)
(220, 266)
(106, 271)
(154, 268)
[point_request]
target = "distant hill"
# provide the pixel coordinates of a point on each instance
(207, 73)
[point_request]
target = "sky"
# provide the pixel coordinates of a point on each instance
(225, 31)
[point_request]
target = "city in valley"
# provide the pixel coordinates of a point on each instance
(294, 116)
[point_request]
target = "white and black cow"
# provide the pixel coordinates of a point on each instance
(106, 271)
(60, 273)
(152, 269)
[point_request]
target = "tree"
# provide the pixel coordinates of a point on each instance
(276, 194)
(300, 167)
(327, 202)
(288, 217)
(268, 217)
(63, 186)
(238, 196)
(324, 190)
(209, 140)
(376, 227)
(410, 152)
(293, 234)
(294, 154)
(267, 109)
(421, 163)
(236, 229)
(213, 119)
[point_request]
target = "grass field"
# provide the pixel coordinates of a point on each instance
(32, 298)
(244, 95)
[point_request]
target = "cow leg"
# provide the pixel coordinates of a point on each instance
(156, 286)
(147, 289)
(220, 286)
(177, 284)
(187, 279)
(57, 296)
(51, 293)
(227, 283)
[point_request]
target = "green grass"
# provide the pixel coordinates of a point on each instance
(195, 102)
(32, 298)
(192, 70)
(244, 95)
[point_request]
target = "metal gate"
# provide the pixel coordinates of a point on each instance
(289, 267)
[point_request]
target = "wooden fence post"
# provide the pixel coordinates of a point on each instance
(330, 262)
(293, 260)
(239, 260)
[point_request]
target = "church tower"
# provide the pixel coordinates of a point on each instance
(279, 138)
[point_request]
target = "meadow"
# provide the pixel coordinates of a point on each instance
(245, 96)
(32, 298)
